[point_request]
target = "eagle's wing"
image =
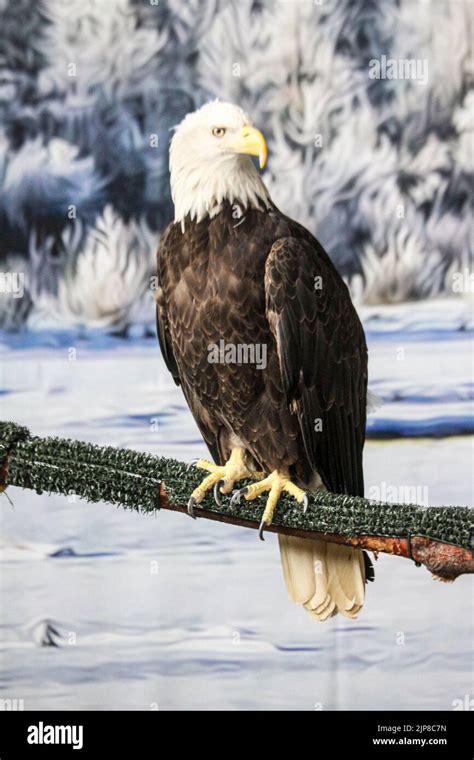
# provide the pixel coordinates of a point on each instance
(162, 326)
(164, 260)
(323, 358)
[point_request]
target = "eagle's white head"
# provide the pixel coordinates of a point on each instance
(210, 162)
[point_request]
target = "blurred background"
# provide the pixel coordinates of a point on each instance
(368, 108)
(380, 169)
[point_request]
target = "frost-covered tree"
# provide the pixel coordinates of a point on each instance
(102, 91)
(381, 169)
(106, 282)
(22, 56)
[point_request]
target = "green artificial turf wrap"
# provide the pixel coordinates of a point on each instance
(131, 479)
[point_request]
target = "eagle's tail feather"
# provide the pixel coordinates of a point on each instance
(326, 578)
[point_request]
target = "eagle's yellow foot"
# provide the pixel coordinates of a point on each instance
(222, 477)
(276, 483)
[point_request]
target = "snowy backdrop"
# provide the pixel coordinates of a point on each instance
(379, 168)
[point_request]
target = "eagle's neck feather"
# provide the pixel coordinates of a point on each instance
(199, 190)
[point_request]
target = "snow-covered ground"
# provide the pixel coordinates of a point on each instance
(163, 612)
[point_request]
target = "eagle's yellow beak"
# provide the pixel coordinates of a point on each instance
(251, 141)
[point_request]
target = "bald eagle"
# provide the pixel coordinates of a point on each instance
(257, 327)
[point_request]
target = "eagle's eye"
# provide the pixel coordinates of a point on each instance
(219, 131)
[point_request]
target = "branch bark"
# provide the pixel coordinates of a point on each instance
(445, 561)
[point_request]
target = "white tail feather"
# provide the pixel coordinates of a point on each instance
(325, 578)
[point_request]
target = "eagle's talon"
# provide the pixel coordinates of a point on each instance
(276, 483)
(217, 495)
(192, 463)
(191, 504)
(221, 478)
(235, 500)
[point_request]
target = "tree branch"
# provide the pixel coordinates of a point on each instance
(445, 561)
(441, 538)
